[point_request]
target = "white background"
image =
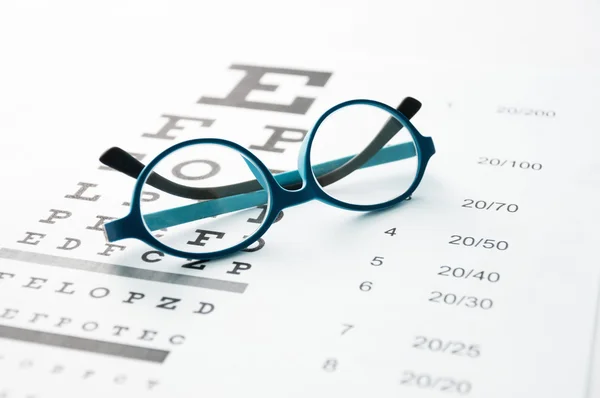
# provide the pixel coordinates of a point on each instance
(70, 70)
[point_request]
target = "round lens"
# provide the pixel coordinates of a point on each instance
(204, 198)
(363, 155)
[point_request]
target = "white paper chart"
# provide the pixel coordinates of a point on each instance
(403, 302)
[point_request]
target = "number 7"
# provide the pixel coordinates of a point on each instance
(347, 328)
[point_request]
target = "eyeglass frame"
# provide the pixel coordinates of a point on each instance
(279, 198)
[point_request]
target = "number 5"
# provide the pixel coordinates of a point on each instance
(489, 243)
(377, 261)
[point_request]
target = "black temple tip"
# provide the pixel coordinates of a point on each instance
(118, 159)
(111, 155)
(409, 107)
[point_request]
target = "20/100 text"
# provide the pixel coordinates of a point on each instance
(515, 164)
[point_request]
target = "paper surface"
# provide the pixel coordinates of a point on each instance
(331, 304)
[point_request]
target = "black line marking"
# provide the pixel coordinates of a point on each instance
(81, 344)
(122, 270)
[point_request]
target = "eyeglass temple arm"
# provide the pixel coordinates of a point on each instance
(125, 163)
(197, 211)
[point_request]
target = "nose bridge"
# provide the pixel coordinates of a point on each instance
(289, 198)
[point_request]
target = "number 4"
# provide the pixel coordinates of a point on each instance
(391, 232)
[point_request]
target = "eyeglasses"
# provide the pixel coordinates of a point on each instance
(198, 198)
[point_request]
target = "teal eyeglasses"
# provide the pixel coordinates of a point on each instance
(198, 198)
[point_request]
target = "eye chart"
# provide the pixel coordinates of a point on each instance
(473, 282)
(484, 284)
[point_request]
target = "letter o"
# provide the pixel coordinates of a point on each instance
(178, 170)
(87, 329)
(106, 292)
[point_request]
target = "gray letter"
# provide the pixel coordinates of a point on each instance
(169, 301)
(203, 235)
(146, 256)
(6, 273)
(88, 373)
(94, 326)
(67, 245)
(260, 243)
(63, 321)
(177, 339)
(106, 292)
(195, 264)
(148, 333)
(277, 136)
(205, 308)
(33, 281)
(110, 248)
(178, 170)
(64, 288)
(58, 215)
(261, 216)
(119, 330)
(239, 267)
(36, 316)
(251, 81)
(163, 133)
(134, 296)
(100, 223)
(120, 379)
(79, 194)
(8, 312)
(26, 363)
(27, 240)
